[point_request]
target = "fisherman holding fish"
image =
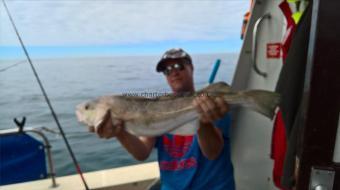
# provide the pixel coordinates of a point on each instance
(199, 161)
(189, 130)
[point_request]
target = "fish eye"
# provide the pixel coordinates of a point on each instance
(87, 106)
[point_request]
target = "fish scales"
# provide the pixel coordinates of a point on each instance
(156, 116)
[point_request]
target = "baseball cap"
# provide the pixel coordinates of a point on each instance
(174, 53)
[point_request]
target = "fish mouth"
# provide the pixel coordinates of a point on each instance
(92, 129)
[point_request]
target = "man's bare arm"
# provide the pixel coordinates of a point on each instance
(139, 147)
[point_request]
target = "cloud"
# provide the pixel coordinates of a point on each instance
(117, 22)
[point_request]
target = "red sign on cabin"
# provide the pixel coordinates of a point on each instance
(274, 50)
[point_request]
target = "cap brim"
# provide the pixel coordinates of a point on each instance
(160, 65)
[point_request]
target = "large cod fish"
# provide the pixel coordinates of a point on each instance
(175, 114)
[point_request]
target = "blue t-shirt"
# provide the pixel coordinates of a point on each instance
(183, 166)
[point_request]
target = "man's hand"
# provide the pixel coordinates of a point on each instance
(210, 109)
(108, 129)
(210, 138)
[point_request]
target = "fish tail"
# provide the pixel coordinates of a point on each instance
(262, 101)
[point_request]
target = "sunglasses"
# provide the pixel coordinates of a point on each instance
(177, 66)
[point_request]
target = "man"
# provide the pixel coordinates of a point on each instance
(200, 161)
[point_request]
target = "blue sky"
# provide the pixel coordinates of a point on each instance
(115, 27)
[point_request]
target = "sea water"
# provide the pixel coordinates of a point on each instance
(70, 81)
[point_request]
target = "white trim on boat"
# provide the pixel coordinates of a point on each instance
(135, 177)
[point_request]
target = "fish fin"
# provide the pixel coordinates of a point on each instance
(218, 87)
(263, 101)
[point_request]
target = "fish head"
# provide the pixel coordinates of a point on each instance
(91, 113)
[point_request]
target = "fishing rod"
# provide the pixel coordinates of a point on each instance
(47, 99)
(6, 68)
